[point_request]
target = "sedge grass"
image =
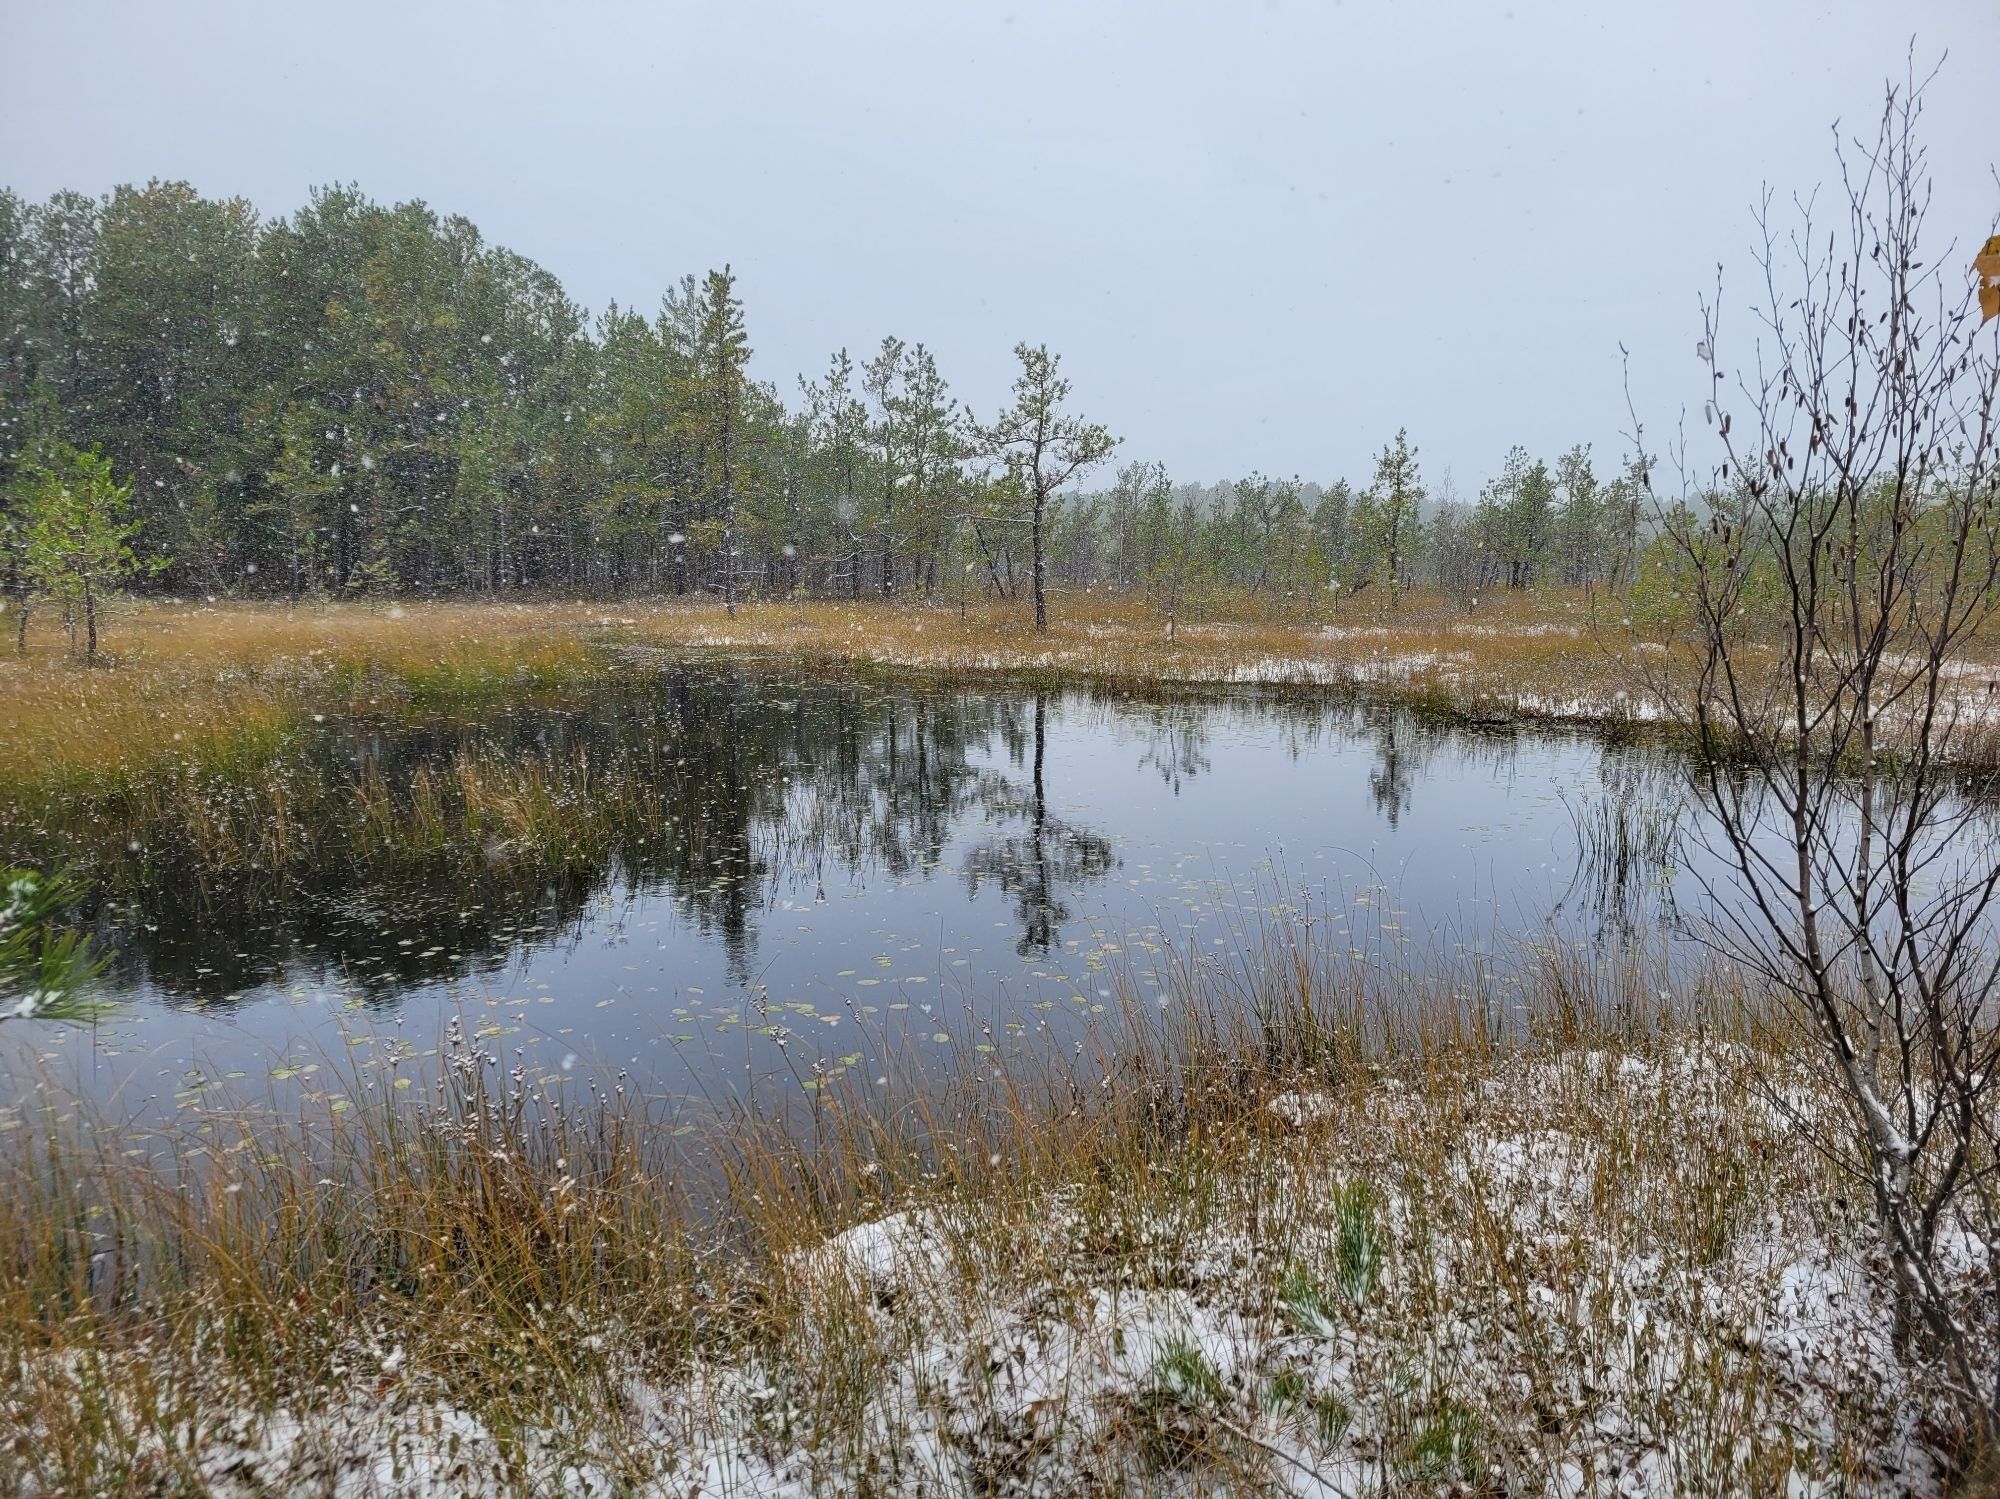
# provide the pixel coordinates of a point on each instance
(1347, 1233)
(181, 678)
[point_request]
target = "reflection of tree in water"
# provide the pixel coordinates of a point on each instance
(722, 791)
(1178, 749)
(884, 777)
(1405, 744)
(716, 789)
(642, 782)
(1402, 748)
(1034, 866)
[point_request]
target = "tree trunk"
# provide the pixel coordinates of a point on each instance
(89, 622)
(992, 564)
(1041, 602)
(728, 513)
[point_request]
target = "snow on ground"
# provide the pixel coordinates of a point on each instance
(1456, 671)
(1480, 686)
(1313, 1327)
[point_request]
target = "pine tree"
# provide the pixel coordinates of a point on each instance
(1332, 523)
(839, 434)
(298, 498)
(882, 378)
(1387, 525)
(1042, 448)
(1579, 518)
(933, 444)
(1515, 513)
(722, 350)
(44, 970)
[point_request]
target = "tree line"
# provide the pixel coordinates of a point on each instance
(1528, 527)
(367, 399)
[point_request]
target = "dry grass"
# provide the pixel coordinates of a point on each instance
(1355, 1244)
(181, 677)
(1543, 654)
(187, 742)
(1552, 655)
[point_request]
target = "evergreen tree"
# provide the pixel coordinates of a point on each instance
(1579, 523)
(1332, 524)
(1132, 512)
(839, 429)
(1043, 448)
(722, 350)
(1175, 553)
(933, 444)
(171, 352)
(296, 502)
(1387, 523)
(882, 377)
(363, 397)
(44, 970)
(1515, 517)
(64, 235)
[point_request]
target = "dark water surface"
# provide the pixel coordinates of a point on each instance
(844, 875)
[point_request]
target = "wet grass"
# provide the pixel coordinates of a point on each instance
(1382, 1247)
(1539, 655)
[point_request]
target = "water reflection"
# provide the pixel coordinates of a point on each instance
(712, 862)
(722, 792)
(1628, 842)
(1178, 744)
(1034, 865)
(1399, 755)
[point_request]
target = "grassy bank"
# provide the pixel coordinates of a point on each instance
(186, 680)
(1308, 1228)
(196, 759)
(1546, 655)
(185, 676)
(181, 676)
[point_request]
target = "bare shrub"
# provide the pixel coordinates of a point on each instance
(1834, 571)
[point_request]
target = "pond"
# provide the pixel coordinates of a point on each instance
(683, 875)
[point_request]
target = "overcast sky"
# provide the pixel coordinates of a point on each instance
(1262, 235)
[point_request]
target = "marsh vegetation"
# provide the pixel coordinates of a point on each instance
(571, 926)
(657, 1064)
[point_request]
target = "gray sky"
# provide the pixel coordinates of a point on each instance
(1262, 235)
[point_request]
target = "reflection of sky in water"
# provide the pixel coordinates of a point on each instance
(919, 857)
